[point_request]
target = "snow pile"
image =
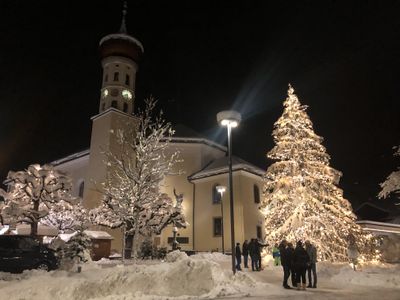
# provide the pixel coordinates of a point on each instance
(185, 278)
(175, 256)
(216, 256)
(368, 275)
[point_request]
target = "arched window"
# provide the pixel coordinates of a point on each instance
(256, 194)
(114, 104)
(216, 196)
(127, 79)
(116, 76)
(103, 106)
(125, 107)
(81, 189)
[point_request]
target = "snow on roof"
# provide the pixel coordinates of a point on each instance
(25, 229)
(122, 36)
(183, 135)
(70, 157)
(100, 235)
(66, 236)
(379, 227)
(220, 166)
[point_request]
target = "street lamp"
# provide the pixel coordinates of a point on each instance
(221, 189)
(230, 119)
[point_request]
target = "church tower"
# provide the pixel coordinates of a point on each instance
(120, 54)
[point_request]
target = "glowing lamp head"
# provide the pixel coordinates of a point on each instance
(229, 118)
(220, 189)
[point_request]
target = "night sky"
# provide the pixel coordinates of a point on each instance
(342, 57)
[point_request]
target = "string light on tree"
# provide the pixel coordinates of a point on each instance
(302, 199)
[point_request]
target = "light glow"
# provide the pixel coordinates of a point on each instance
(230, 123)
(221, 189)
(127, 94)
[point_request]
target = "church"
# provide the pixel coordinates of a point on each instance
(204, 162)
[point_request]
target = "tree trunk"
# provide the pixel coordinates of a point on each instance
(34, 225)
(128, 246)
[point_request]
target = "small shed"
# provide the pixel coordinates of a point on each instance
(101, 243)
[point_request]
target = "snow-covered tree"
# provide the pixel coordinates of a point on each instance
(392, 183)
(32, 193)
(67, 216)
(132, 197)
(77, 248)
(302, 200)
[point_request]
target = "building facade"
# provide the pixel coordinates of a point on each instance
(204, 163)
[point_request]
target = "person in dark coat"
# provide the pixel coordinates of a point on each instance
(312, 266)
(258, 249)
(238, 254)
(245, 252)
(290, 255)
(252, 252)
(300, 262)
(285, 262)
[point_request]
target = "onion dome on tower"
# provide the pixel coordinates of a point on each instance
(120, 54)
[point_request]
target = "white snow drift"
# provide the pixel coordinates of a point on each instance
(202, 276)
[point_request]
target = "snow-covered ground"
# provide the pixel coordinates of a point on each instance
(202, 276)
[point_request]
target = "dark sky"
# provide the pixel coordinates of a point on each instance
(343, 58)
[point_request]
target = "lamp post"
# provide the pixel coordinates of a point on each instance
(230, 119)
(221, 189)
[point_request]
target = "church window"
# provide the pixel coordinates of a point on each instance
(217, 226)
(256, 192)
(81, 189)
(127, 79)
(114, 104)
(116, 76)
(125, 107)
(216, 196)
(259, 233)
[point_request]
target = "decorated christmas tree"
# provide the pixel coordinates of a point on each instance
(302, 200)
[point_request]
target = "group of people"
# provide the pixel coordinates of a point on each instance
(296, 261)
(252, 248)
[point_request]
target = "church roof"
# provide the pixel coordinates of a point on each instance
(71, 157)
(220, 166)
(184, 131)
(184, 134)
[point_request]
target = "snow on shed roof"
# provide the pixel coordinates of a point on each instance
(100, 235)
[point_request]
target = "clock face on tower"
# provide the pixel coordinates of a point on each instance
(127, 95)
(105, 93)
